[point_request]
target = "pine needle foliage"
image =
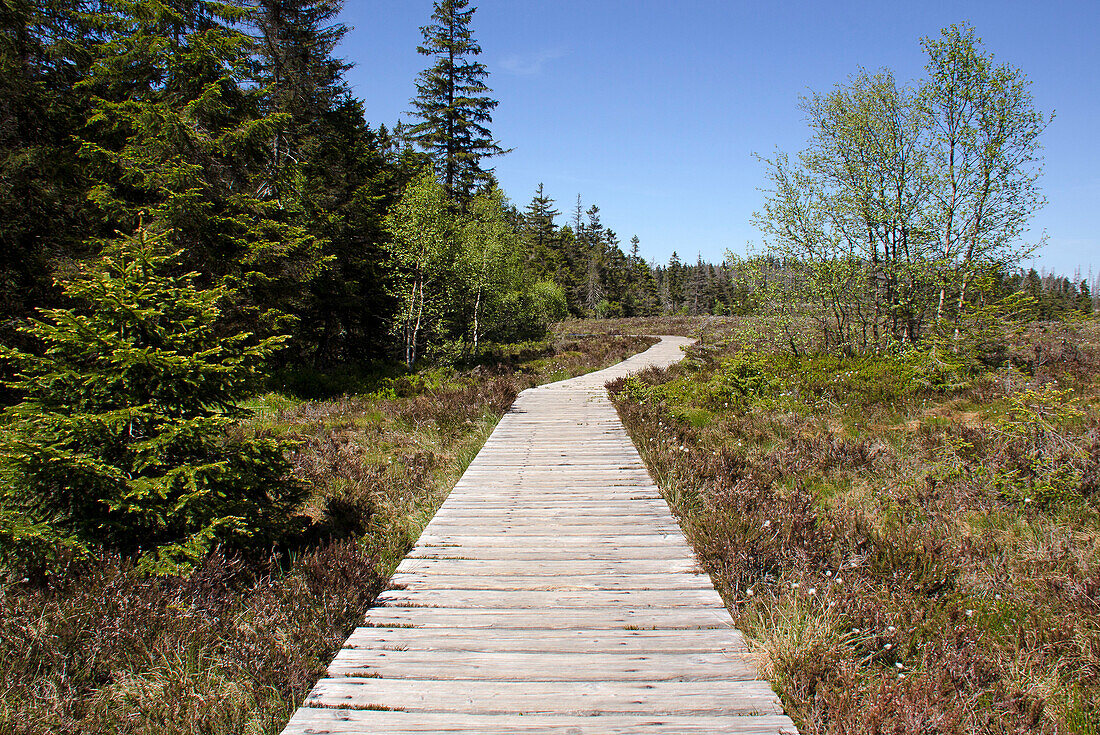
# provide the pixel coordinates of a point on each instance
(177, 131)
(126, 436)
(452, 102)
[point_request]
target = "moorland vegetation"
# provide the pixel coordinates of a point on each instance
(250, 341)
(909, 548)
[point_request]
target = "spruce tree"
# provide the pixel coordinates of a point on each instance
(592, 239)
(542, 233)
(452, 102)
(176, 130)
(330, 171)
(539, 219)
(674, 284)
(125, 437)
(303, 83)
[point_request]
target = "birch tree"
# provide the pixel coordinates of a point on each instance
(906, 194)
(491, 246)
(423, 249)
(985, 143)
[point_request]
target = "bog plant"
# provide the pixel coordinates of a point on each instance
(907, 537)
(744, 376)
(1047, 458)
(125, 438)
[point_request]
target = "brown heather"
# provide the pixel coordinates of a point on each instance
(927, 562)
(235, 646)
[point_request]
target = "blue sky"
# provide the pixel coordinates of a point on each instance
(653, 109)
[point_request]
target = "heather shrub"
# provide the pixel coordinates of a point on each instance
(744, 376)
(906, 539)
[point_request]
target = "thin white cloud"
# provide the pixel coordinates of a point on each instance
(527, 65)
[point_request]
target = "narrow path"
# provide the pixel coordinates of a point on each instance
(552, 593)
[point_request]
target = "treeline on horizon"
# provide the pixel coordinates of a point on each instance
(230, 128)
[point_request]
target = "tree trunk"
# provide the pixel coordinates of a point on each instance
(412, 329)
(477, 313)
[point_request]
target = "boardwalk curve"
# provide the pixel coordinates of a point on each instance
(553, 592)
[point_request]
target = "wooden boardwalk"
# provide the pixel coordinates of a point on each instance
(552, 593)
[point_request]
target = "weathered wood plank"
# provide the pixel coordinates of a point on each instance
(493, 524)
(476, 508)
(587, 540)
(550, 618)
(413, 582)
(357, 722)
(477, 568)
(548, 568)
(559, 599)
(542, 666)
(547, 553)
(535, 697)
(724, 640)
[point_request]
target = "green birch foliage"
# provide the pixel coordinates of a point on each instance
(126, 437)
(907, 195)
(423, 252)
(508, 304)
(491, 266)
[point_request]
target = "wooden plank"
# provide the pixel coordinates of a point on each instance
(595, 510)
(547, 553)
(619, 618)
(547, 525)
(522, 492)
(724, 640)
(544, 599)
(329, 721)
(489, 567)
(542, 666)
(533, 522)
(647, 507)
(535, 697)
(624, 538)
(411, 581)
(639, 501)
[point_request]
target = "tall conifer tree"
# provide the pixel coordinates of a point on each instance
(328, 169)
(452, 102)
(176, 131)
(304, 81)
(538, 221)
